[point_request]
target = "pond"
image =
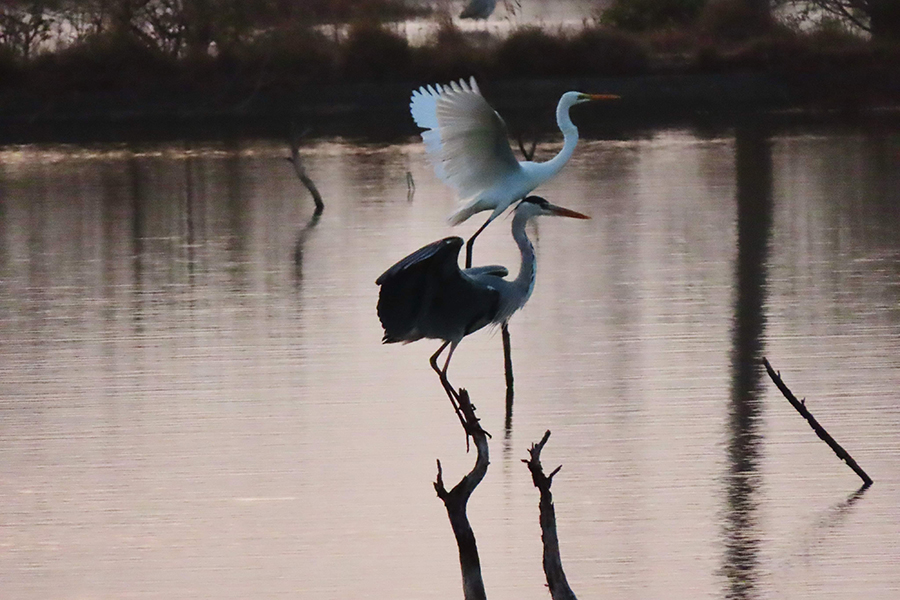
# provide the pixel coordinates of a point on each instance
(196, 402)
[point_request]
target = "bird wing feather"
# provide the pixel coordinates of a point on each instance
(495, 270)
(426, 295)
(466, 140)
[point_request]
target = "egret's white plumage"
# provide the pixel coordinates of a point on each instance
(468, 144)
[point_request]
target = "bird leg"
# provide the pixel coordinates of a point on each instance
(442, 374)
(471, 241)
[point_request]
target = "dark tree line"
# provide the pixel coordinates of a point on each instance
(179, 28)
(185, 28)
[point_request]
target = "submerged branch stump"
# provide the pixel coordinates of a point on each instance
(800, 407)
(456, 499)
(300, 170)
(553, 569)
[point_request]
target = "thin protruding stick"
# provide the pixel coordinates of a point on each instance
(553, 569)
(456, 499)
(294, 159)
(508, 369)
(800, 406)
(528, 154)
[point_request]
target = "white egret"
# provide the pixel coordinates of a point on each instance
(467, 142)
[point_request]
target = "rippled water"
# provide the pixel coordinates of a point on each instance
(195, 401)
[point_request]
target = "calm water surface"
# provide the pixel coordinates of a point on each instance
(194, 400)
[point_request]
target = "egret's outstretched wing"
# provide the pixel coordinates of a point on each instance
(425, 295)
(466, 139)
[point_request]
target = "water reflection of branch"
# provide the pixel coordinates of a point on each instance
(301, 240)
(754, 222)
(812, 536)
(800, 407)
(410, 186)
(837, 513)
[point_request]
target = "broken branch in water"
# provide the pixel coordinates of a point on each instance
(553, 569)
(456, 499)
(294, 159)
(800, 407)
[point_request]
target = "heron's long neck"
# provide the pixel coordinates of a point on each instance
(570, 140)
(524, 281)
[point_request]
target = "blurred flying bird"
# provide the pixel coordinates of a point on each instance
(478, 9)
(427, 295)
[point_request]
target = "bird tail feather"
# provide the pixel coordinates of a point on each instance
(467, 211)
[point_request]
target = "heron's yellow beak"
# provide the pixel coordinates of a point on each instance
(559, 211)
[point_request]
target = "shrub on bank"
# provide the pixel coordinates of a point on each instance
(532, 52)
(102, 62)
(650, 15)
(373, 53)
(606, 52)
(450, 55)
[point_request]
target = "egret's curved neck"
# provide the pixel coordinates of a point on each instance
(570, 140)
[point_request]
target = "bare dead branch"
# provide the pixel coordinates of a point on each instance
(553, 569)
(455, 502)
(800, 407)
(294, 159)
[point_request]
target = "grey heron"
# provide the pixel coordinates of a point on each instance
(467, 143)
(427, 295)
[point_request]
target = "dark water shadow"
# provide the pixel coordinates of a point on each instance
(753, 159)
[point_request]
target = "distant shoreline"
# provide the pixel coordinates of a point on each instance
(379, 110)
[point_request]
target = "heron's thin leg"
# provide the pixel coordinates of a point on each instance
(471, 241)
(442, 374)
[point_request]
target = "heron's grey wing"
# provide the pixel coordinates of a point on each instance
(496, 270)
(467, 141)
(425, 295)
(440, 248)
(405, 286)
